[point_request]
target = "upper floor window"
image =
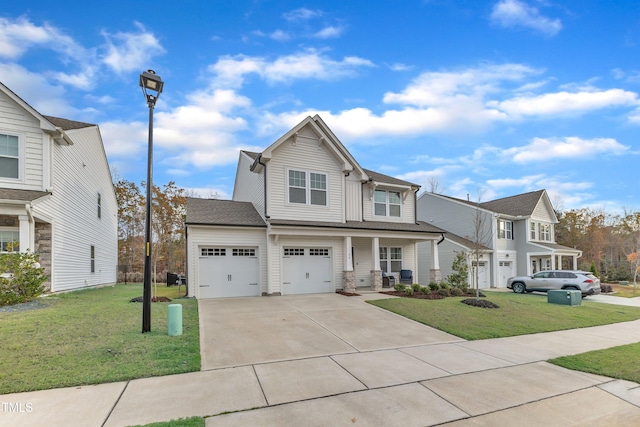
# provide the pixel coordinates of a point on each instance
(544, 231)
(505, 229)
(9, 156)
(386, 203)
(307, 188)
(99, 206)
(533, 231)
(93, 259)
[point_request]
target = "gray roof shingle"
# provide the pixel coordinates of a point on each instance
(363, 225)
(379, 177)
(67, 124)
(519, 205)
(22, 195)
(222, 212)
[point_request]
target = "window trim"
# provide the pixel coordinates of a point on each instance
(21, 155)
(503, 233)
(308, 187)
(11, 230)
(388, 250)
(92, 256)
(388, 204)
(99, 206)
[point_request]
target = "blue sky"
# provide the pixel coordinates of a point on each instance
(492, 97)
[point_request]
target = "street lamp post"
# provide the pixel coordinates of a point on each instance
(152, 86)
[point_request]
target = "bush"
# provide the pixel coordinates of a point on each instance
(25, 278)
(425, 290)
(400, 287)
(416, 287)
(443, 292)
(434, 286)
(456, 292)
(409, 291)
(444, 285)
(458, 279)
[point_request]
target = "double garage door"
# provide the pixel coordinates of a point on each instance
(307, 270)
(228, 272)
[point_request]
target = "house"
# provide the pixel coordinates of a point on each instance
(56, 195)
(305, 218)
(507, 237)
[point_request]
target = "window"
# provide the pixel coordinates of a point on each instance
(213, 252)
(505, 229)
(93, 259)
(390, 259)
(533, 231)
(9, 156)
(244, 252)
(9, 241)
(307, 188)
(544, 232)
(99, 206)
(318, 252)
(293, 251)
(386, 203)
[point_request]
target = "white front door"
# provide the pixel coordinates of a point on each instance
(307, 270)
(228, 272)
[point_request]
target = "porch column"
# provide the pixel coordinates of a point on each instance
(575, 262)
(27, 242)
(553, 261)
(434, 272)
(376, 273)
(348, 275)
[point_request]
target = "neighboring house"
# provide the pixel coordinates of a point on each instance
(305, 218)
(511, 236)
(56, 195)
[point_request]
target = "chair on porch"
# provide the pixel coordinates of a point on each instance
(406, 277)
(388, 281)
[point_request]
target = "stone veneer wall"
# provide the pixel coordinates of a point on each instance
(349, 281)
(43, 249)
(8, 221)
(435, 275)
(376, 280)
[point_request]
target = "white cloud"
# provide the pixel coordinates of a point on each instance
(515, 13)
(280, 35)
(19, 35)
(329, 32)
(302, 14)
(565, 102)
(127, 51)
(230, 71)
(545, 149)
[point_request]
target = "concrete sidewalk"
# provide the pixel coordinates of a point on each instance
(322, 361)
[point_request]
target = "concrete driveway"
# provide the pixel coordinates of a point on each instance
(247, 331)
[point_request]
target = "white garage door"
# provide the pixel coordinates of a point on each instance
(483, 274)
(228, 272)
(307, 270)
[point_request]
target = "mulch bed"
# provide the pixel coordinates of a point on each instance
(153, 299)
(482, 303)
(430, 295)
(348, 294)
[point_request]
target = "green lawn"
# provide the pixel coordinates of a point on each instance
(94, 336)
(182, 422)
(627, 291)
(617, 362)
(517, 315)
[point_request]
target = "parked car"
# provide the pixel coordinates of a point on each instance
(547, 280)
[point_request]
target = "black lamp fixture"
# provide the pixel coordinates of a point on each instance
(152, 86)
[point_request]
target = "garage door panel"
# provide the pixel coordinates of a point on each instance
(307, 270)
(228, 272)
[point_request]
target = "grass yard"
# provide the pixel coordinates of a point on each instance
(182, 422)
(627, 291)
(517, 315)
(94, 336)
(616, 362)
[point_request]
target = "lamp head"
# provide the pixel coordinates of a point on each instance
(150, 82)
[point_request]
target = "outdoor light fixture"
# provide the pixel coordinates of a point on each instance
(150, 82)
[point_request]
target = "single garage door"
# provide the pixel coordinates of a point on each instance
(483, 274)
(307, 270)
(228, 272)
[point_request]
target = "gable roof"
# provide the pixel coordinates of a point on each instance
(222, 212)
(66, 124)
(518, 205)
(386, 179)
(419, 226)
(8, 194)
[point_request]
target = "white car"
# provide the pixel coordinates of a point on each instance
(547, 280)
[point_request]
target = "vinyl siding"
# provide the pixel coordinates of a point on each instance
(198, 236)
(543, 212)
(407, 208)
(249, 186)
(310, 155)
(80, 172)
(14, 120)
(353, 199)
(447, 251)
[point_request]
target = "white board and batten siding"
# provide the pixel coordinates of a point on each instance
(80, 172)
(249, 186)
(228, 238)
(307, 154)
(34, 144)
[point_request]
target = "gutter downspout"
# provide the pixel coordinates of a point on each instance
(186, 258)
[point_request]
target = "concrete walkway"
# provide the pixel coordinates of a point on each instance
(322, 360)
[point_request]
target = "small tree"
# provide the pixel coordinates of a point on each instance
(21, 279)
(459, 277)
(592, 269)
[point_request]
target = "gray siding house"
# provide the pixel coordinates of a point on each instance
(512, 236)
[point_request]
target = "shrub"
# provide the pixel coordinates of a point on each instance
(459, 277)
(416, 287)
(400, 287)
(425, 290)
(456, 292)
(444, 285)
(25, 278)
(409, 291)
(434, 286)
(443, 292)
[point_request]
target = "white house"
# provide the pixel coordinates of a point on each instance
(56, 195)
(511, 236)
(305, 218)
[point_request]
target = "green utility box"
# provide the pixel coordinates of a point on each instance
(174, 320)
(564, 297)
